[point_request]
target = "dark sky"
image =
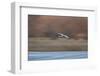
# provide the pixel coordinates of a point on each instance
(40, 26)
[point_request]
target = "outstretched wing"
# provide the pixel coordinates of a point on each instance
(62, 35)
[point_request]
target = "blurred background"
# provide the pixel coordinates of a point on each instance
(46, 26)
(43, 33)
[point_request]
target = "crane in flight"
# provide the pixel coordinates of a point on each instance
(63, 35)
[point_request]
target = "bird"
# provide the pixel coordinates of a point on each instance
(62, 35)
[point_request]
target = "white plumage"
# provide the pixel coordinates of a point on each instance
(62, 35)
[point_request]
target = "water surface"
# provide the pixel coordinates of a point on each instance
(57, 55)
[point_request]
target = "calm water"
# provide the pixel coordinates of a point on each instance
(57, 55)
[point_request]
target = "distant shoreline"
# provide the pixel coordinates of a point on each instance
(45, 44)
